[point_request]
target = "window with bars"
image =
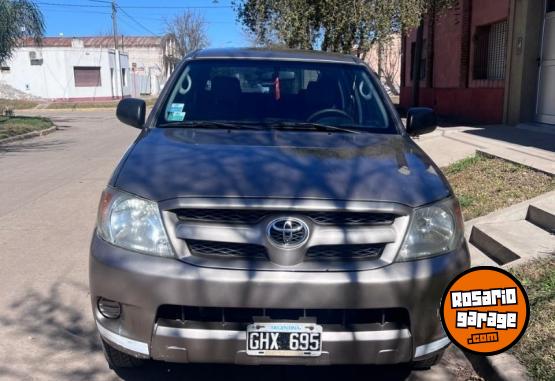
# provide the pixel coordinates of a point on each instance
(490, 48)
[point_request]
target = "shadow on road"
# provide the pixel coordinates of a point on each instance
(32, 145)
(50, 336)
(197, 372)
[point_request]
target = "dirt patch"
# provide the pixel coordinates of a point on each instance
(85, 105)
(484, 185)
(17, 104)
(536, 349)
(13, 126)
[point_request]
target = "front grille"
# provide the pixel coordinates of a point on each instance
(345, 252)
(245, 315)
(251, 217)
(226, 250)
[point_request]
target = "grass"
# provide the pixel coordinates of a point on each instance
(13, 126)
(22, 104)
(101, 104)
(17, 104)
(484, 185)
(80, 105)
(536, 349)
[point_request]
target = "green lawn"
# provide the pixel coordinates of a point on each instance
(536, 349)
(12, 126)
(484, 184)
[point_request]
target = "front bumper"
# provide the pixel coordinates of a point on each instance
(143, 283)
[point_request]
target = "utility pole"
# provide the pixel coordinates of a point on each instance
(115, 24)
(117, 63)
(416, 65)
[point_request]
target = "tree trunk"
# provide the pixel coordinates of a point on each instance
(416, 65)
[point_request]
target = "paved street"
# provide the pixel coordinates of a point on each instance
(50, 187)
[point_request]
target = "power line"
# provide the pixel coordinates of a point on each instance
(136, 21)
(133, 6)
(71, 5)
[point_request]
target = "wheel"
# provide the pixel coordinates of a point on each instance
(118, 359)
(429, 362)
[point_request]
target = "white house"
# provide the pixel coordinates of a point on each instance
(66, 69)
(151, 59)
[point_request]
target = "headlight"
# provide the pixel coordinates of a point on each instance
(433, 230)
(132, 223)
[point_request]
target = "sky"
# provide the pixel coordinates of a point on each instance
(139, 18)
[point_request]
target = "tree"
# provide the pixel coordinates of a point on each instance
(18, 19)
(331, 25)
(189, 32)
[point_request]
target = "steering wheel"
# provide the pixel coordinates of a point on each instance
(321, 114)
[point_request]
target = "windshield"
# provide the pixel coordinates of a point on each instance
(275, 94)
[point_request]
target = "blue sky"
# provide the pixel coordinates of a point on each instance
(93, 17)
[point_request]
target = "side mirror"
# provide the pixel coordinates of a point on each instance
(132, 111)
(421, 120)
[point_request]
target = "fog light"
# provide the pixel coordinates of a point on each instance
(109, 309)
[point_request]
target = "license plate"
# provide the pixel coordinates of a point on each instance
(284, 339)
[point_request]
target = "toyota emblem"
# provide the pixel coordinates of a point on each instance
(287, 232)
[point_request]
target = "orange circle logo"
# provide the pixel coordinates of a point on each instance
(485, 310)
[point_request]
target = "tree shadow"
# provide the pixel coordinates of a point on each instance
(51, 335)
(193, 372)
(32, 145)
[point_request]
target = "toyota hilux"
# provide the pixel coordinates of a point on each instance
(274, 209)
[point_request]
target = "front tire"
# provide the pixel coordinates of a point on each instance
(117, 359)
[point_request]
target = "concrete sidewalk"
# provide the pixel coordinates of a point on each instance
(533, 147)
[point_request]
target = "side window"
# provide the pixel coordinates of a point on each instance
(176, 108)
(372, 111)
(309, 76)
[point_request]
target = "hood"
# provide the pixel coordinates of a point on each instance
(168, 163)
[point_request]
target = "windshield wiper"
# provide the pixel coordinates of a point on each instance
(309, 126)
(212, 124)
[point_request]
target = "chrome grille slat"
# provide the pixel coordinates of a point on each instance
(251, 217)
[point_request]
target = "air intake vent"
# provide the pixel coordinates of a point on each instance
(345, 252)
(226, 250)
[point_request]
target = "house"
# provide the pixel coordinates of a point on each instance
(65, 69)
(151, 59)
(89, 68)
(486, 61)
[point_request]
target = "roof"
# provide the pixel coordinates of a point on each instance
(274, 54)
(96, 41)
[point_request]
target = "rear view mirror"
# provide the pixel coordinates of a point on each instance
(132, 111)
(421, 120)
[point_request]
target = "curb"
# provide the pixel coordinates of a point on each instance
(29, 135)
(501, 367)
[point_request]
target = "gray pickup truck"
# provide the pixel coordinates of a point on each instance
(274, 210)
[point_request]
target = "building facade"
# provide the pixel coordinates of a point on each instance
(89, 68)
(486, 61)
(66, 69)
(385, 59)
(151, 59)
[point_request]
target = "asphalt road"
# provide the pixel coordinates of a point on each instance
(49, 189)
